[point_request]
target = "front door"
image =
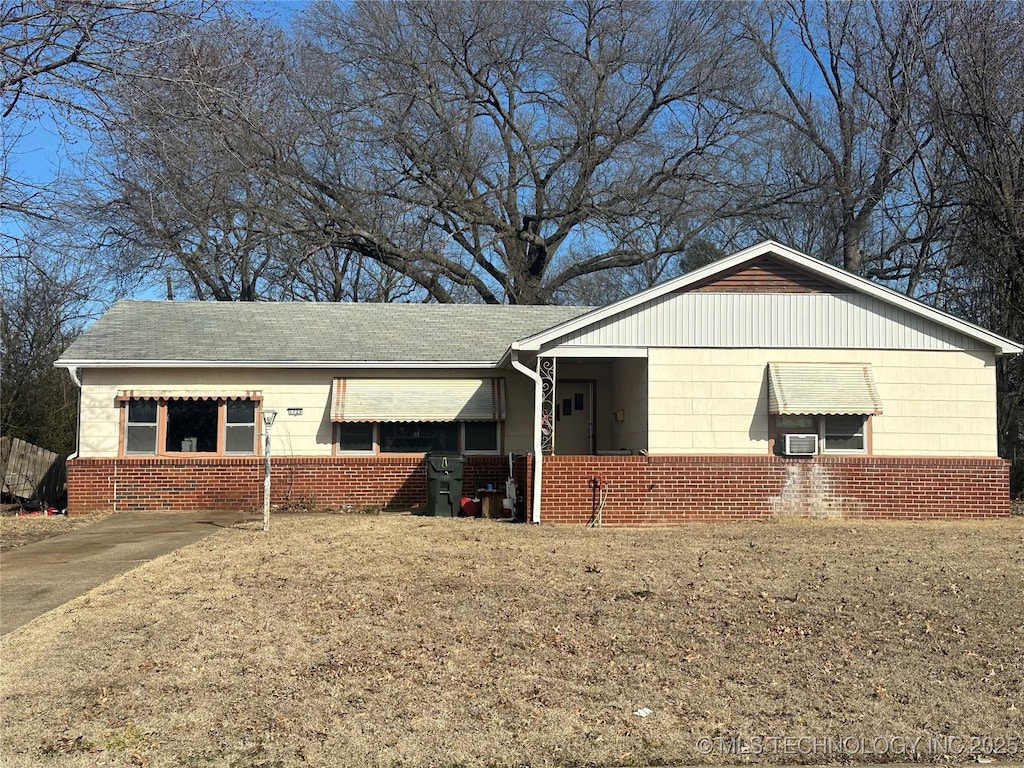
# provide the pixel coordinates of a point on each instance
(574, 418)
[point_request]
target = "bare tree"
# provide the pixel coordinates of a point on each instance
(518, 146)
(56, 60)
(846, 80)
(331, 273)
(47, 299)
(448, 151)
(978, 110)
(189, 188)
(49, 51)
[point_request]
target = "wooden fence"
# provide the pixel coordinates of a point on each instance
(31, 472)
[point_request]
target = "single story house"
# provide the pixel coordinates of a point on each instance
(768, 383)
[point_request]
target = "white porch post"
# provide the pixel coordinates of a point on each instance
(546, 370)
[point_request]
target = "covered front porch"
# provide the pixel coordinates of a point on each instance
(590, 405)
(587, 404)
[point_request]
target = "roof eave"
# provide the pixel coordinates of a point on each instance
(362, 364)
(1000, 344)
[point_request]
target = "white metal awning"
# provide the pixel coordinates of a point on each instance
(822, 388)
(357, 399)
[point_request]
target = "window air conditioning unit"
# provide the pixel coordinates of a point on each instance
(800, 445)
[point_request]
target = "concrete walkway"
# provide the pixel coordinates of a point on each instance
(39, 577)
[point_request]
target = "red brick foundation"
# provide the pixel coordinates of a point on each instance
(666, 490)
(641, 490)
(102, 485)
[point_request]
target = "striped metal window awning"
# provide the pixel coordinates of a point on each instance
(822, 388)
(418, 400)
(123, 395)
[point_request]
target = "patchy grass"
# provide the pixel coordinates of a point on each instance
(18, 531)
(403, 641)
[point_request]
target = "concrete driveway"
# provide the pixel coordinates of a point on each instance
(39, 577)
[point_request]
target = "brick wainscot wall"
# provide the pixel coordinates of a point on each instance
(640, 490)
(667, 490)
(195, 484)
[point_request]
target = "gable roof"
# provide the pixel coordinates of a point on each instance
(815, 268)
(306, 334)
(332, 335)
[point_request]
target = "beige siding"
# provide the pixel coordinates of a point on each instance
(715, 400)
(100, 419)
(309, 434)
(629, 395)
(519, 409)
(678, 401)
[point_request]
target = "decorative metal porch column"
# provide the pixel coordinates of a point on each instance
(546, 369)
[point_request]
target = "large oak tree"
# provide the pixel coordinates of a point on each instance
(484, 151)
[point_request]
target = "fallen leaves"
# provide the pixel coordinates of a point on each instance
(383, 641)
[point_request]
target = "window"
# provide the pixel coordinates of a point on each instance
(418, 437)
(355, 436)
(842, 433)
(191, 426)
(181, 425)
(140, 428)
(790, 423)
(240, 430)
(480, 437)
(831, 400)
(836, 433)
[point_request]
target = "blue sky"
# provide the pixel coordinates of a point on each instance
(47, 150)
(41, 152)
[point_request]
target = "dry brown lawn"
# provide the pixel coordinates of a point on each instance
(18, 531)
(403, 641)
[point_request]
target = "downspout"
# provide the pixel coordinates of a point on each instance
(73, 373)
(538, 451)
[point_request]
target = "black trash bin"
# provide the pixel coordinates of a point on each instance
(444, 483)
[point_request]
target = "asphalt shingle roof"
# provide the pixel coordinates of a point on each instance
(263, 332)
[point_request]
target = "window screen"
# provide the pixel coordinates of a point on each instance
(843, 433)
(140, 432)
(240, 436)
(481, 436)
(355, 436)
(419, 437)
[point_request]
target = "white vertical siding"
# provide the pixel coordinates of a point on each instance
(769, 320)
